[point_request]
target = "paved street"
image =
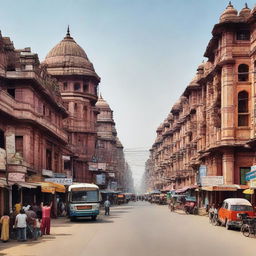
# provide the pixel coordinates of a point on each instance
(136, 229)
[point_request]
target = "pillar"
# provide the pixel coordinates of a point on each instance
(227, 102)
(228, 167)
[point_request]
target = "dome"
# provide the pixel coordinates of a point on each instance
(68, 58)
(101, 103)
(229, 14)
(245, 12)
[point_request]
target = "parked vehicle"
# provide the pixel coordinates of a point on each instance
(229, 213)
(83, 201)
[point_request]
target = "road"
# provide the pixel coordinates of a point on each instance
(136, 229)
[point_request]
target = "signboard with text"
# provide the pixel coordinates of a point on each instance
(252, 174)
(63, 181)
(212, 180)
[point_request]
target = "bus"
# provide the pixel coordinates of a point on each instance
(83, 201)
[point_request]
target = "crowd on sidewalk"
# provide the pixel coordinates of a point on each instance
(26, 222)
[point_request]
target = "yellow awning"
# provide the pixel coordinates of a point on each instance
(58, 187)
(248, 191)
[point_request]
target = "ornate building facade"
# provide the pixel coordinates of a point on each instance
(78, 82)
(109, 152)
(32, 138)
(210, 131)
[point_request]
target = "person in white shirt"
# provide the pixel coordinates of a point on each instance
(21, 225)
(107, 205)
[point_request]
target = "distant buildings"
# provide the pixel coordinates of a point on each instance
(208, 138)
(113, 172)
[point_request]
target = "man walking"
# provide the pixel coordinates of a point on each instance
(107, 205)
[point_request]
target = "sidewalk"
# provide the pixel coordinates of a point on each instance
(58, 226)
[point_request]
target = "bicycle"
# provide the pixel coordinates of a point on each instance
(248, 227)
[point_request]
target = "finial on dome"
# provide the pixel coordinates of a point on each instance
(246, 5)
(68, 32)
(230, 4)
(101, 96)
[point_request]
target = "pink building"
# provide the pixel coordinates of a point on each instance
(78, 82)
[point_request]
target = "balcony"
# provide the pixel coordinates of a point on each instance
(24, 111)
(80, 125)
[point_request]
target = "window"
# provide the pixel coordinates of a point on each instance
(2, 140)
(85, 87)
(243, 171)
(48, 159)
(19, 144)
(11, 92)
(243, 35)
(65, 86)
(77, 87)
(243, 110)
(243, 73)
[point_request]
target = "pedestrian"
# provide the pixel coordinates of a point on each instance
(37, 228)
(21, 224)
(17, 208)
(46, 219)
(5, 221)
(31, 218)
(107, 206)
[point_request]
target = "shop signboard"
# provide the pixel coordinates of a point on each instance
(93, 166)
(212, 180)
(48, 173)
(112, 174)
(253, 183)
(16, 177)
(102, 166)
(2, 159)
(201, 173)
(62, 181)
(59, 175)
(252, 174)
(101, 179)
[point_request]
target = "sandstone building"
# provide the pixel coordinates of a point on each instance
(210, 130)
(78, 82)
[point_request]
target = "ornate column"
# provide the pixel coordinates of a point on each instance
(228, 167)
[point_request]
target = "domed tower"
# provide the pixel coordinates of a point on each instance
(78, 82)
(106, 145)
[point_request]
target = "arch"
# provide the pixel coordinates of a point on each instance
(243, 108)
(243, 73)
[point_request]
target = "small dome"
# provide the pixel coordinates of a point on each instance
(245, 12)
(101, 103)
(68, 58)
(229, 14)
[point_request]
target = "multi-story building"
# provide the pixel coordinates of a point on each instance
(32, 138)
(110, 168)
(78, 82)
(209, 136)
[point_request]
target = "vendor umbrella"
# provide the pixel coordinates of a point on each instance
(248, 191)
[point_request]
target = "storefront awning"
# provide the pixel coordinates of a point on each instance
(50, 187)
(184, 189)
(26, 184)
(232, 187)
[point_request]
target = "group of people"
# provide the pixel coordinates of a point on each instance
(34, 220)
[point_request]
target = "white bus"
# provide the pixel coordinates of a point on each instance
(83, 201)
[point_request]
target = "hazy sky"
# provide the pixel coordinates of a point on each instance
(145, 51)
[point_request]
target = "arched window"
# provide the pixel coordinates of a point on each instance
(243, 72)
(243, 108)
